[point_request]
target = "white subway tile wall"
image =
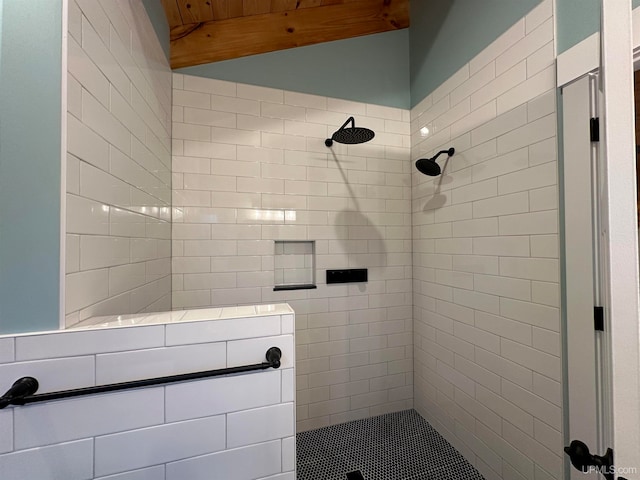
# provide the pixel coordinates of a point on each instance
(250, 168)
(118, 243)
(240, 426)
(485, 253)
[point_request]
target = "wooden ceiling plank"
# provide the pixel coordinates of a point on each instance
(255, 7)
(220, 9)
(282, 5)
(172, 12)
(238, 37)
(195, 11)
(331, 2)
(235, 8)
(309, 3)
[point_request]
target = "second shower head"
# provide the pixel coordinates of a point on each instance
(428, 166)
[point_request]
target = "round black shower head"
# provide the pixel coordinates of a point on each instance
(352, 135)
(428, 166)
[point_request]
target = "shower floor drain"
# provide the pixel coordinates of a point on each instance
(396, 446)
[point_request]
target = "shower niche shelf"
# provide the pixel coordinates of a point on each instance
(294, 265)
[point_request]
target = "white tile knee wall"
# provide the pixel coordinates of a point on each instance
(250, 167)
(485, 249)
(233, 427)
(118, 163)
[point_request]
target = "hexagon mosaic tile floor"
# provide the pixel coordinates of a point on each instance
(396, 446)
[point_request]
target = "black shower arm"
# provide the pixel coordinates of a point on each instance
(449, 151)
(350, 119)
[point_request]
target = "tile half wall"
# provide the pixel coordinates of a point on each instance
(240, 426)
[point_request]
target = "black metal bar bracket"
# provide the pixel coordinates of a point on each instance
(584, 461)
(21, 388)
(23, 391)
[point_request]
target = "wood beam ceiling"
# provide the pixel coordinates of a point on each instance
(204, 31)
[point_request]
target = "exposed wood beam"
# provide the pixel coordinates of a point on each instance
(239, 37)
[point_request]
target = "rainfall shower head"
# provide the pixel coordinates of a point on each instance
(428, 166)
(351, 135)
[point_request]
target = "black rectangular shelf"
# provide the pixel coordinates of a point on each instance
(308, 286)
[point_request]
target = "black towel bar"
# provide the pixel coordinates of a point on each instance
(23, 390)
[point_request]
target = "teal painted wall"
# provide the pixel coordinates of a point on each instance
(159, 21)
(577, 20)
(372, 69)
(446, 34)
(30, 98)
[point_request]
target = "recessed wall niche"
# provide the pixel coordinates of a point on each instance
(294, 265)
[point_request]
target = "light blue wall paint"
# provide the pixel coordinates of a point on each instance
(372, 69)
(159, 21)
(30, 98)
(576, 20)
(446, 34)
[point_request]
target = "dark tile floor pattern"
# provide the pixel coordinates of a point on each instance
(396, 446)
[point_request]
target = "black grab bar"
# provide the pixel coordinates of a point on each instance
(23, 390)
